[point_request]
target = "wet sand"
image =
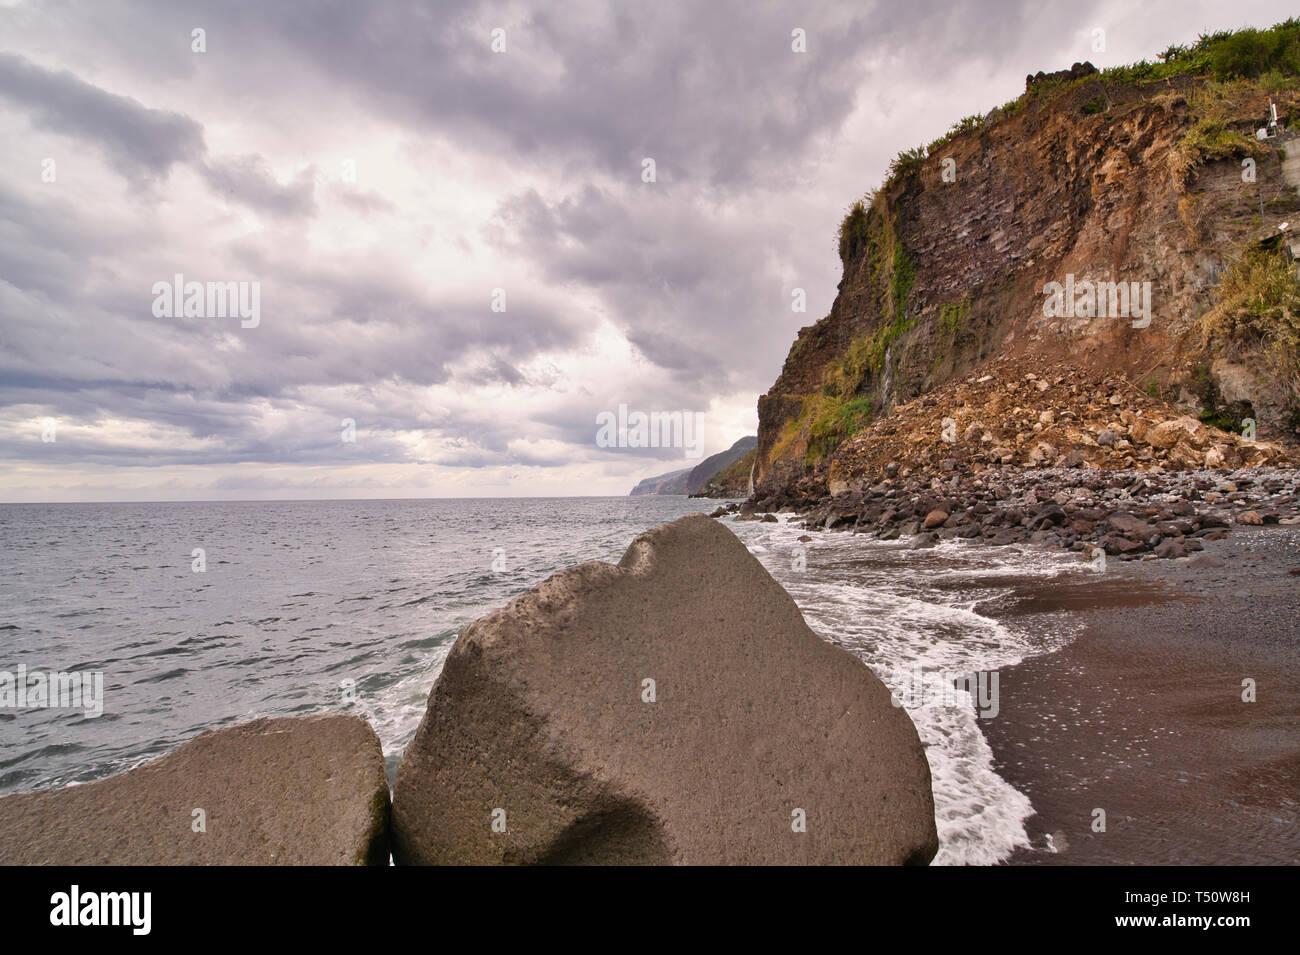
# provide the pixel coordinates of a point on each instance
(1142, 715)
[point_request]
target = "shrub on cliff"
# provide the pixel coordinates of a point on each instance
(1258, 313)
(1259, 301)
(905, 163)
(835, 421)
(853, 231)
(1250, 52)
(1225, 55)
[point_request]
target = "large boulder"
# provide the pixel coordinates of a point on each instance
(545, 742)
(307, 790)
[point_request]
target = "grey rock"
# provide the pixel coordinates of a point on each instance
(541, 712)
(1009, 535)
(924, 540)
(1129, 526)
(1171, 549)
(301, 790)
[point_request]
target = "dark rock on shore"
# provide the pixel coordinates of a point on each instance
(756, 743)
(1126, 514)
(308, 790)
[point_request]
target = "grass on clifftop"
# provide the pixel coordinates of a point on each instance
(1272, 54)
(1223, 55)
(1234, 54)
(853, 231)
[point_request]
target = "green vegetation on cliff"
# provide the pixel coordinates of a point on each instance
(842, 406)
(1259, 309)
(736, 474)
(1227, 55)
(833, 421)
(952, 315)
(1271, 56)
(1213, 139)
(853, 231)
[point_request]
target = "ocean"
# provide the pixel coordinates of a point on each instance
(315, 606)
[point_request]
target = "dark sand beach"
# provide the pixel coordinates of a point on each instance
(1142, 715)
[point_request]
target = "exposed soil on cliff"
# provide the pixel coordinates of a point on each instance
(1155, 188)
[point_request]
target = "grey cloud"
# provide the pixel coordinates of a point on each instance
(366, 203)
(694, 270)
(712, 91)
(251, 181)
(686, 288)
(141, 143)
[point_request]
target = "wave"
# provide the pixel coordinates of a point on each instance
(897, 609)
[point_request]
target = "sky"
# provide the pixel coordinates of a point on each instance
(459, 254)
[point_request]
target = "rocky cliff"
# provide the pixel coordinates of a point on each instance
(674, 482)
(1121, 233)
(718, 475)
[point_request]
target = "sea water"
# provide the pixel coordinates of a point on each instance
(202, 615)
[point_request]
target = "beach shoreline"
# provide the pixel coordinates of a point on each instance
(1142, 716)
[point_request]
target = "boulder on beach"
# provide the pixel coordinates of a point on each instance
(674, 708)
(308, 790)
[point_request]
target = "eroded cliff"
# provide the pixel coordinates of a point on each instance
(1148, 177)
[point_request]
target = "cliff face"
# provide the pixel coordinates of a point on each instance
(727, 473)
(1079, 181)
(715, 476)
(674, 482)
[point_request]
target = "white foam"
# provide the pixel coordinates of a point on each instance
(884, 603)
(395, 712)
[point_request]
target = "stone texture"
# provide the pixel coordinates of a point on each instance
(935, 518)
(308, 790)
(539, 712)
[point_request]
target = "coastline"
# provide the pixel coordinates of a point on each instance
(1142, 714)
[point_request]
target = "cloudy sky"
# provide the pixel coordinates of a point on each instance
(380, 171)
